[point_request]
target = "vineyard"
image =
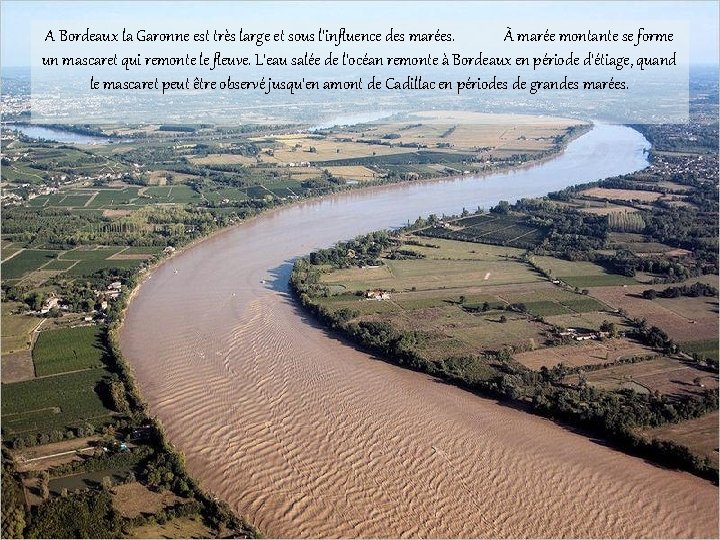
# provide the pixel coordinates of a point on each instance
(490, 229)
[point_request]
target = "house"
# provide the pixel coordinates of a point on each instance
(377, 294)
(168, 250)
(50, 303)
(115, 286)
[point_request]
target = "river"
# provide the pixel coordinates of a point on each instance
(306, 436)
(58, 135)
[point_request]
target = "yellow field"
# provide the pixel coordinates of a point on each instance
(16, 329)
(353, 172)
(622, 194)
(223, 159)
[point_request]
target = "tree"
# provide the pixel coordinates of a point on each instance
(503, 319)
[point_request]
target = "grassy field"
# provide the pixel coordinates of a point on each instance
(185, 527)
(665, 375)
(434, 274)
(580, 274)
(700, 435)
(16, 329)
(70, 349)
(52, 403)
(134, 499)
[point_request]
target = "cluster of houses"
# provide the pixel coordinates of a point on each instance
(377, 294)
(705, 166)
(581, 334)
(112, 292)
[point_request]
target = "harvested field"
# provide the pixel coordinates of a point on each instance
(134, 499)
(683, 319)
(17, 366)
(700, 435)
(46, 456)
(584, 353)
(353, 172)
(622, 194)
(16, 328)
(116, 213)
(607, 210)
(665, 375)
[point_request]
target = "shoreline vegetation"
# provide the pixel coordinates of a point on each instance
(162, 464)
(353, 289)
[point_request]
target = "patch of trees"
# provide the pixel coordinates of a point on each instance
(361, 251)
(695, 290)
(80, 515)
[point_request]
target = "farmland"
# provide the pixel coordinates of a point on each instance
(665, 375)
(683, 319)
(584, 353)
(580, 274)
(16, 328)
(458, 295)
(53, 403)
(71, 349)
(27, 261)
(492, 229)
(700, 435)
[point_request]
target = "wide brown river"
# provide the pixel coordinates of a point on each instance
(306, 436)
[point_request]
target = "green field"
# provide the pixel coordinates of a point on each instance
(179, 193)
(117, 197)
(708, 348)
(581, 274)
(52, 403)
(25, 262)
(69, 349)
(90, 261)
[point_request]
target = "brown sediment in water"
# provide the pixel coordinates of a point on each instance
(307, 436)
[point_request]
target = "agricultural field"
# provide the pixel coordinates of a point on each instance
(16, 328)
(70, 349)
(434, 273)
(622, 194)
(490, 228)
(700, 435)
(53, 403)
(46, 456)
(683, 319)
(91, 260)
(176, 194)
(584, 353)
(441, 295)
(668, 376)
(27, 261)
(581, 274)
(707, 348)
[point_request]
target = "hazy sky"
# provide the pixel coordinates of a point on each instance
(17, 16)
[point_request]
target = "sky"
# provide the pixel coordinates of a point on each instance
(17, 16)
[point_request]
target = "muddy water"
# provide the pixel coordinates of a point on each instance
(308, 437)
